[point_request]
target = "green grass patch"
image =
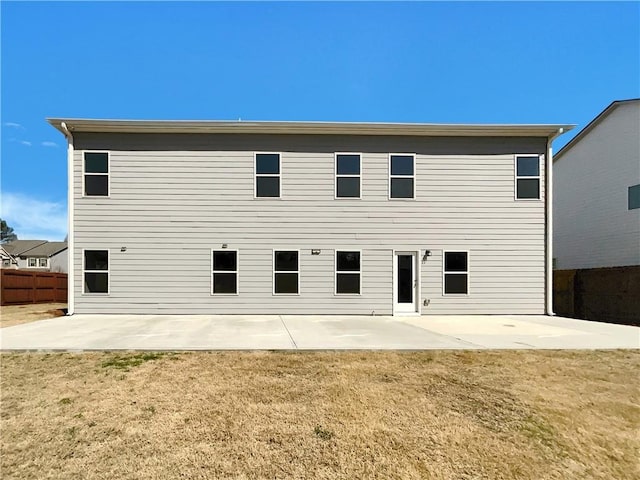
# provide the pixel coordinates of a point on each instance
(126, 362)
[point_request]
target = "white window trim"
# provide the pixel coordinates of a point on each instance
(467, 273)
(107, 271)
(273, 269)
(108, 174)
(236, 271)
(336, 176)
(516, 177)
(336, 272)
(256, 175)
(29, 260)
(402, 176)
(46, 265)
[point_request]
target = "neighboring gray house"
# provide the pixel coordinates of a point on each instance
(18, 247)
(597, 192)
(39, 255)
(203, 217)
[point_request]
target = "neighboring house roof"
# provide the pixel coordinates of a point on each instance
(48, 249)
(592, 124)
(311, 128)
(4, 254)
(18, 247)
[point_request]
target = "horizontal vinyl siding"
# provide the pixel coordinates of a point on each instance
(170, 208)
(593, 226)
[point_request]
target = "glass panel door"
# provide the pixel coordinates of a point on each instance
(405, 283)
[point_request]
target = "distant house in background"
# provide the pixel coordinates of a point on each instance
(8, 260)
(39, 255)
(596, 192)
(18, 247)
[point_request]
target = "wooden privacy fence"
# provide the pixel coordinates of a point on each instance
(602, 294)
(20, 287)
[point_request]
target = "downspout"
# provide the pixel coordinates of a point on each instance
(70, 236)
(549, 222)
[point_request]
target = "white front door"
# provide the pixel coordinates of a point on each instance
(405, 283)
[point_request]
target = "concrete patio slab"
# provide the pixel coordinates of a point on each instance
(530, 331)
(149, 332)
(309, 332)
(365, 332)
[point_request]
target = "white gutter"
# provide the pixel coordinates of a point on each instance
(70, 238)
(549, 222)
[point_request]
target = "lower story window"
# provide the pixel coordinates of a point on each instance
(96, 271)
(286, 272)
(33, 262)
(225, 272)
(348, 272)
(456, 273)
(43, 262)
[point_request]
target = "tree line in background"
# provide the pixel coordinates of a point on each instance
(6, 232)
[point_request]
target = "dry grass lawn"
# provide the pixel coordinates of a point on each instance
(428, 415)
(16, 314)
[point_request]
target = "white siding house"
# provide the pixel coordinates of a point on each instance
(308, 218)
(39, 255)
(597, 192)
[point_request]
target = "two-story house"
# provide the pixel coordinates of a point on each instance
(597, 192)
(204, 217)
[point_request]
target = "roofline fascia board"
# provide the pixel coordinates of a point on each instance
(592, 124)
(302, 128)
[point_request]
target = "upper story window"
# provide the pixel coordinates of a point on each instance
(528, 177)
(96, 174)
(401, 176)
(96, 271)
(348, 175)
(286, 272)
(267, 173)
(634, 197)
(456, 273)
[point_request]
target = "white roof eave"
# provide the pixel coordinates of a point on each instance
(304, 128)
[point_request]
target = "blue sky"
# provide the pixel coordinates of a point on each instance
(431, 62)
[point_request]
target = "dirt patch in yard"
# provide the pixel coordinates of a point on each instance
(428, 415)
(16, 314)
